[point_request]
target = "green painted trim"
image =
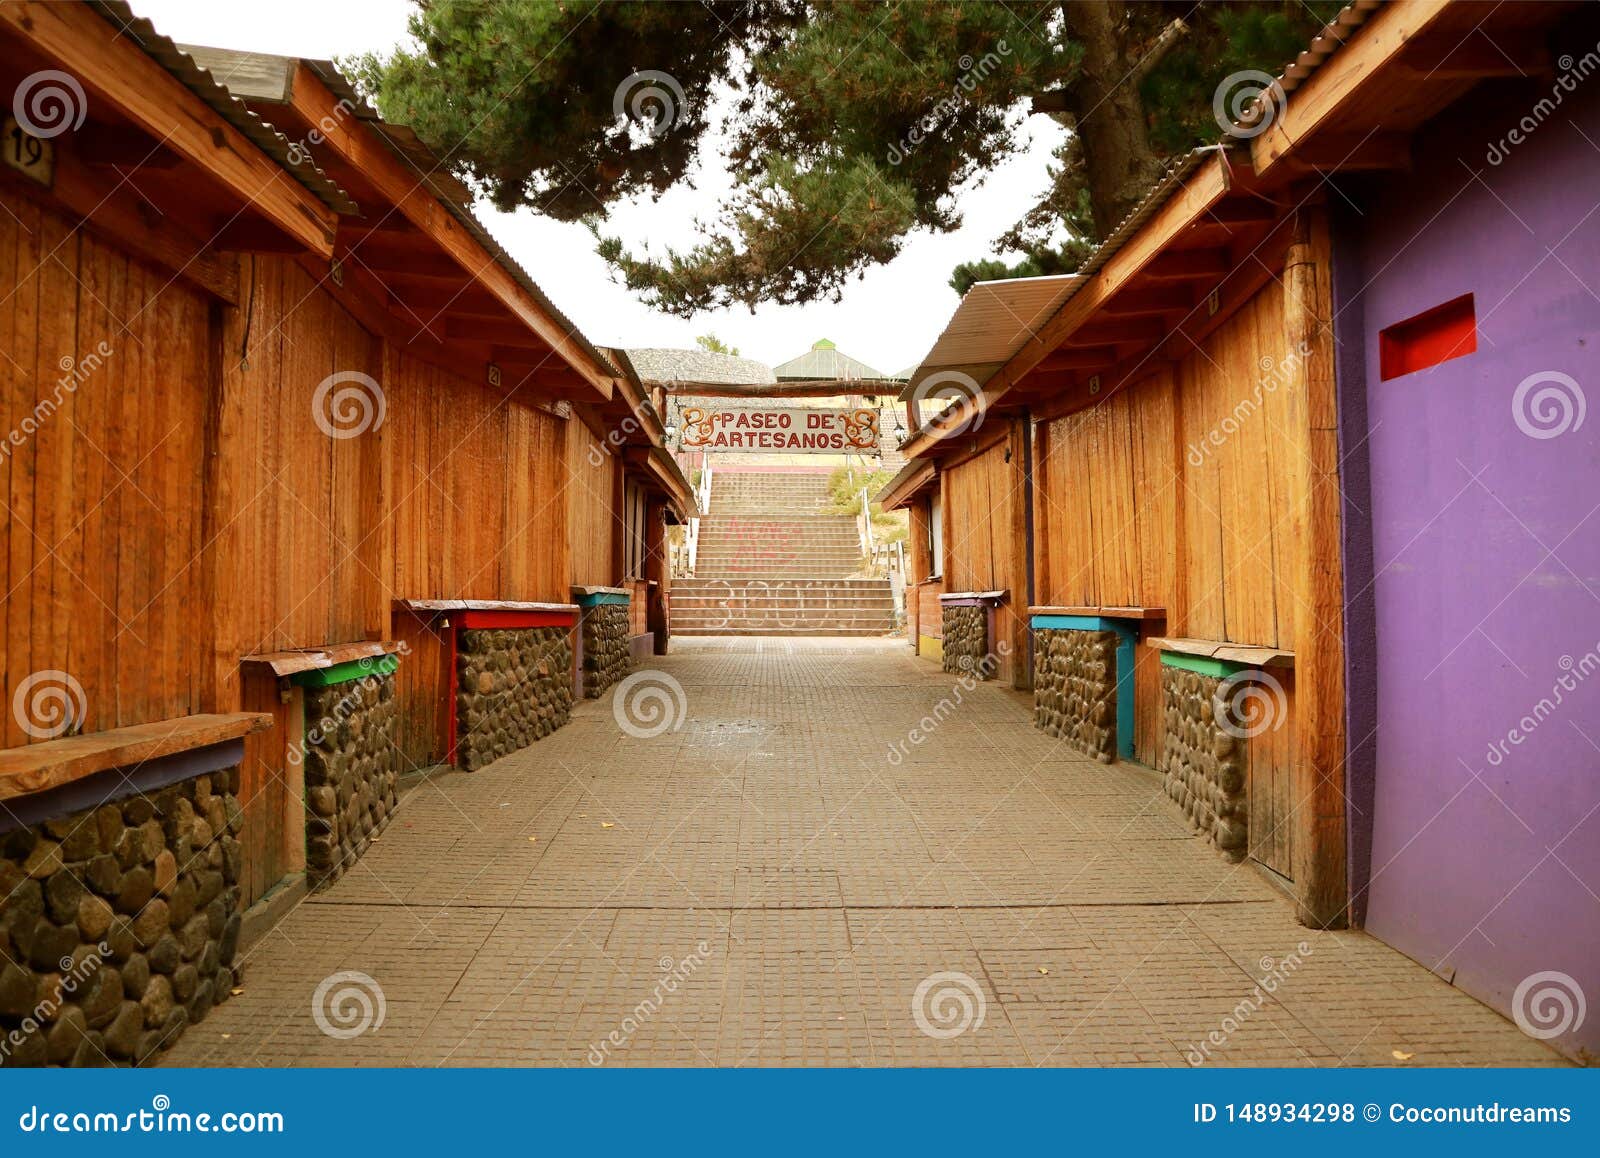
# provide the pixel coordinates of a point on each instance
(603, 598)
(1204, 664)
(343, 673)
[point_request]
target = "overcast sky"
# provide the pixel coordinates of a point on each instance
(888, 320)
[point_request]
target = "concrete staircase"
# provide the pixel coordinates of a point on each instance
(769, 562)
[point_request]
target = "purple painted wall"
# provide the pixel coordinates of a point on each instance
(1484, 537)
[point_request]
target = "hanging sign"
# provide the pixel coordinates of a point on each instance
(780, 429)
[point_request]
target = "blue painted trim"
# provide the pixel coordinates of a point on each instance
(1127, 636)
(118, 784)
(603, 597)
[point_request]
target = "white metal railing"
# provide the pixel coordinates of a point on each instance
(702, 503)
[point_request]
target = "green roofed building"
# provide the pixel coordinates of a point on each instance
(824, 361)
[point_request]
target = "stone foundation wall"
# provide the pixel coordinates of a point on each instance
(606, 654)
(966, 640)
(1075, 689)
(514, 686)
(352, 772)
(119, 925)
(1204, 765)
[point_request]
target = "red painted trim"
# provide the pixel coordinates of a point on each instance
(514, 618)
(1446, 331)
(452, 699)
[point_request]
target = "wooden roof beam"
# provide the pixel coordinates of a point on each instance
(1340, 152)
(116, 71)
(1189, 265)
(359, 145)
(1152, 301)
(1479, 56)
(502, 330)
(1079, 358)
(1314, 107)
(1100, 333)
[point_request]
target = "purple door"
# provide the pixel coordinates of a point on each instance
(1485, 535)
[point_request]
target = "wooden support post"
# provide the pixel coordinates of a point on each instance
(1019, 548)
(1318, 827)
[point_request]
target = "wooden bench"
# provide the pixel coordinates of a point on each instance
(299, 659)
(1221, 650)
(53, 763)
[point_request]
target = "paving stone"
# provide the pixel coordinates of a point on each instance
(764, 885)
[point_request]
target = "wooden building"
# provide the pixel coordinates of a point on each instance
(289, 441)
(1246, 413)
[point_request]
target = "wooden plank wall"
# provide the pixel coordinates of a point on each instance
(103, 494)
(1139, 507)
(1172, 493)
(980, 497)
(593, 482)
(183, 508)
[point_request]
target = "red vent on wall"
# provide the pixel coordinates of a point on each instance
(1433, 336)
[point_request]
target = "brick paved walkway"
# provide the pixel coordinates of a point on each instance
(765, 886)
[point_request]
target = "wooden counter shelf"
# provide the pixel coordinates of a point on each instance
(299, 659)
(39, 767)
(971, 598)
(1146, 613)
(1223, 650)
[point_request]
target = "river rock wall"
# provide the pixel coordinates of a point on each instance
(513, 686)
(1075, 689)
(607, 657)
(119, 925)
(352, 772)
(1203, 764)
(966, 640)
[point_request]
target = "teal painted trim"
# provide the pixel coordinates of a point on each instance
(1072, 623)
(1126, 638)
(343, 673)
(1204, 664)
(603, 598)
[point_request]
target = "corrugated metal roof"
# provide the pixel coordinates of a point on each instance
(230, 108)
(993, 321)
(826, 362)
(668, 366)
(1299, 70)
